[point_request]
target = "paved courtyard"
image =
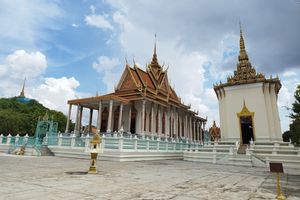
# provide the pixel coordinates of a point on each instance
(64, 178)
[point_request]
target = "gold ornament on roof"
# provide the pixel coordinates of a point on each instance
(245, 72)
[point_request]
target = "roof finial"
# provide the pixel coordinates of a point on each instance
(155, 43)
(22, 93)
(154, 57)
(242, 44)
(243, 57)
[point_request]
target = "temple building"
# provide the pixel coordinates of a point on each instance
(248, 104)
(143, 103)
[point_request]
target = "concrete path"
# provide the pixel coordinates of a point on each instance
(63, 178)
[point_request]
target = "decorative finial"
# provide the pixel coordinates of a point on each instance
(154, 57)
(126, 61)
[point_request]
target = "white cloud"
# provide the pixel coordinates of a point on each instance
(21, 64)
(289, 74)
(55, 92)
(51, 92)
(106, 67)
(93, 9)
(98, 21)
(75, 25)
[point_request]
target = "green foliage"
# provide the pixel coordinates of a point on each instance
(296, 104)
(295, 131)
(21, 118)
(295, 126)
(286, 136)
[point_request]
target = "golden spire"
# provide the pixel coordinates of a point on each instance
(154, 57)
(22, 93)
(243, 57)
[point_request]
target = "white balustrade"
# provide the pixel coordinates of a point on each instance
(59, 143)
(1, 138)
(8, 139)
(17, 139)
(121, 141)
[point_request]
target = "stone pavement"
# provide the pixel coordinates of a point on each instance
(64, 178)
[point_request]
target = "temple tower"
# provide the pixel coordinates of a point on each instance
(248, 103)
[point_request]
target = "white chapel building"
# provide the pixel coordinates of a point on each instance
(248, 104)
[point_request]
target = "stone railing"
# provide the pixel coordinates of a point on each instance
(115, 142)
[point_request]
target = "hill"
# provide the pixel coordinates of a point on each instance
(17, 117)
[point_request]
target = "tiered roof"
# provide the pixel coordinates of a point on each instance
(152, 84)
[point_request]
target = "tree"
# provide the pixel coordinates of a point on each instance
(21, 118)
(295, 126)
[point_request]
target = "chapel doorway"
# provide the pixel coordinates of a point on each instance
(247, 129)
(133, 120)
(104, 118)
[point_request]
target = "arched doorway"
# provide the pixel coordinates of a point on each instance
(133, 120)
(104, 118)
(245, 118)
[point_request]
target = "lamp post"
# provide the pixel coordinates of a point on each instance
(94, 153)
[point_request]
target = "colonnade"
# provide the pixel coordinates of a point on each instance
(144, 118)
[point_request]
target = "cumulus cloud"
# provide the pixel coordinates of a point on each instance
(107, 66)
(55, 92)
(21, 64)
(98, 21)
(51, 92)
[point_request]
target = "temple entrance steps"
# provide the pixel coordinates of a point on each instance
(242, 149)
(45, 151)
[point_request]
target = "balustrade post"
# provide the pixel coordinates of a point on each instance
(26, 138)
(135, 143)
(45, 140)
(157, 143)
(59, 143)
(174, 144)
(167, 144)
(180, 145)
(103, 143)
(121, 143)
(1, 138)
(73, 140)
(8, 139)
(17, 139)
(87, 142)
(148, 143)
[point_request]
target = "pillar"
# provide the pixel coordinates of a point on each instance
(77, 119)
(90, 120)
(111, 102)
(143, 116)
(120, 117)
(80, 118)
(68, 118)
(129, 118)
(185, 126)
(194, 130)
(159, 120)
(152, 118)
(99, 120)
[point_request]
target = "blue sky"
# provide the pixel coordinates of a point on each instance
(72, 49)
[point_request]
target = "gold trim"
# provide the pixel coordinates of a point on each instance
(246, 113)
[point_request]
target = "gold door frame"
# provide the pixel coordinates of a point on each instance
(246, 113)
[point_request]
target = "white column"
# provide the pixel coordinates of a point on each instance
(201, 133)
(152, 119)
(167, 123)
(194, 130)
(143, 117)
(77, 119)
(90, 120)
(159, 121)
(129, 118)
(120, 117)
(111, 102)
(68, 118)
(185, 126)
(99, 117)
(80, 118)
